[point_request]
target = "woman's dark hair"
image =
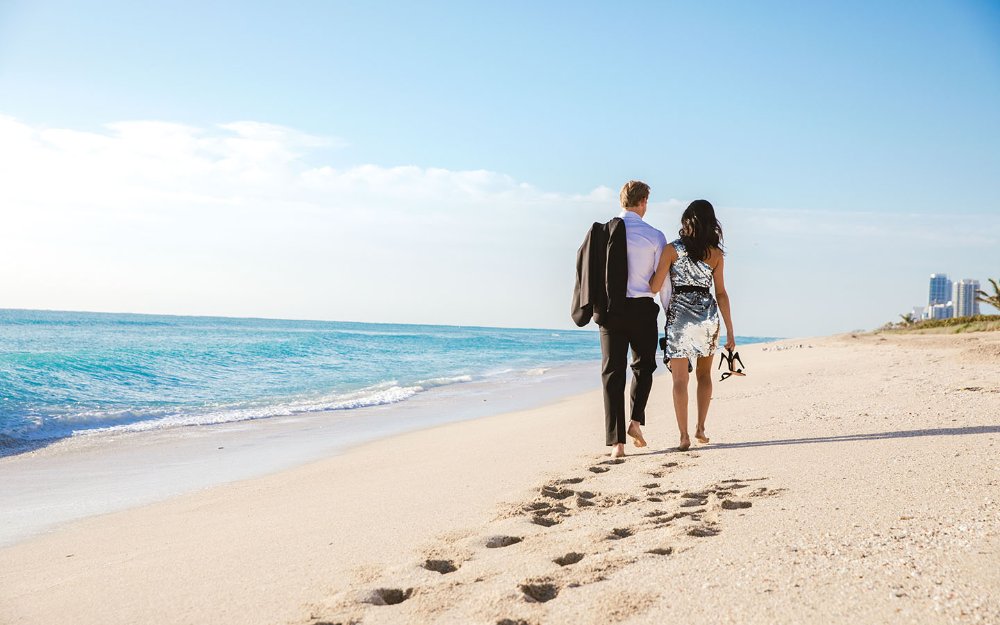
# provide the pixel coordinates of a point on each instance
(700, 230)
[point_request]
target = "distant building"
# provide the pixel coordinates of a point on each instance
(919, 312)
(964, 298)
(940, 311)
(940, 291)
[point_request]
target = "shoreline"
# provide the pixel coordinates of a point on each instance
(101, 472)
(869, 464)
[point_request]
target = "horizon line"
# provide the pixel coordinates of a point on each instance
(439, 325)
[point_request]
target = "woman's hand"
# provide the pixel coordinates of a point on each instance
(730, 342)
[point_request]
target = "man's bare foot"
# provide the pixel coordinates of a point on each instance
(635, 432)
(618, 450)
(700, 435)
(685, 443)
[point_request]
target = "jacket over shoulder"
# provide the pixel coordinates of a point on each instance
(601, 273)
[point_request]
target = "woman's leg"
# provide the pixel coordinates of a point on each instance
(703, 372)
(679, 372)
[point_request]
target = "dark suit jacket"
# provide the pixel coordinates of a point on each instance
(601, 273)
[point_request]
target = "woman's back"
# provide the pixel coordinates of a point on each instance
(686, 271)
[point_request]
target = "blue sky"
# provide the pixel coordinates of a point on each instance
(840, 141)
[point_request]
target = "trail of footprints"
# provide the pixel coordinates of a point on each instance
(696, 516)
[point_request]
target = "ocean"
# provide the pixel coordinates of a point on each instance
(70, 373)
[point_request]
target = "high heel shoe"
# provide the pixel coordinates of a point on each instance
(730, 357)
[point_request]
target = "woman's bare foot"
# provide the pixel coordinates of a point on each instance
(700, 435)
(618, 450)
(685, 443)
(635, 432)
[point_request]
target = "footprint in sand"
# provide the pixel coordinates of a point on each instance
(651, 485)
(614, 461)
(535, 506)
(619, 533)
(702, 531)
(661, 551)
(599, 469)
(664, 518)
(570, 480)
(440, 566)
(693, 503)
(654, 499)
(510, 621)
(496, 542)
(733, 504)
(727, 488)
(695, 494)
(621, 499)
(555, 492)
(540, 591)
(765, 492)
(667, 465)
(388, 596)
(570, 558)
(543, 508)
(544, 521)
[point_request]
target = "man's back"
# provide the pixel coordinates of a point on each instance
(645, 244)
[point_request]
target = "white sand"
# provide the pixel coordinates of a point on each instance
(871, 467)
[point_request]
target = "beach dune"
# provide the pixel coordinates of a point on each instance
(850, 479)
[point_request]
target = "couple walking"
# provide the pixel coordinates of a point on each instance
(621, 267)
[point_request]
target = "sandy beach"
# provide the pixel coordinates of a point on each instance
(851, 479)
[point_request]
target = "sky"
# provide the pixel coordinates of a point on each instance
(441, 162)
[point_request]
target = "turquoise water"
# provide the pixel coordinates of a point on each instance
(62, 373)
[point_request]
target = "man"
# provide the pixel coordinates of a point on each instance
(633, 325)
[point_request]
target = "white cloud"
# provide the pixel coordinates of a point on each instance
(239, 219)
(156, 216)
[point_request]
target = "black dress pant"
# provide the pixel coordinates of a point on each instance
(635, 327)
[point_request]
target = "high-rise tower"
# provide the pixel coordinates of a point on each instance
(940, 291)
(964, 298)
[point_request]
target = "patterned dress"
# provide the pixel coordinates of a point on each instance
(693, 316)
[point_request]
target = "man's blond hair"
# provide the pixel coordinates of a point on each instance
(634, 192)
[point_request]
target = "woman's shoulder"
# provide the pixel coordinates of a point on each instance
(714, 256)
(678, 245)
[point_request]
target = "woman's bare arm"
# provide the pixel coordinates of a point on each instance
(667, 258)
(723, 298)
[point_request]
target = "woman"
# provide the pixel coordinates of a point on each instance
(694, 261)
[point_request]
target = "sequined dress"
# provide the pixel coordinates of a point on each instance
(693, 316)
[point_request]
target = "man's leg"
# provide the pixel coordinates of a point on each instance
(614, 353)
(643, 335)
